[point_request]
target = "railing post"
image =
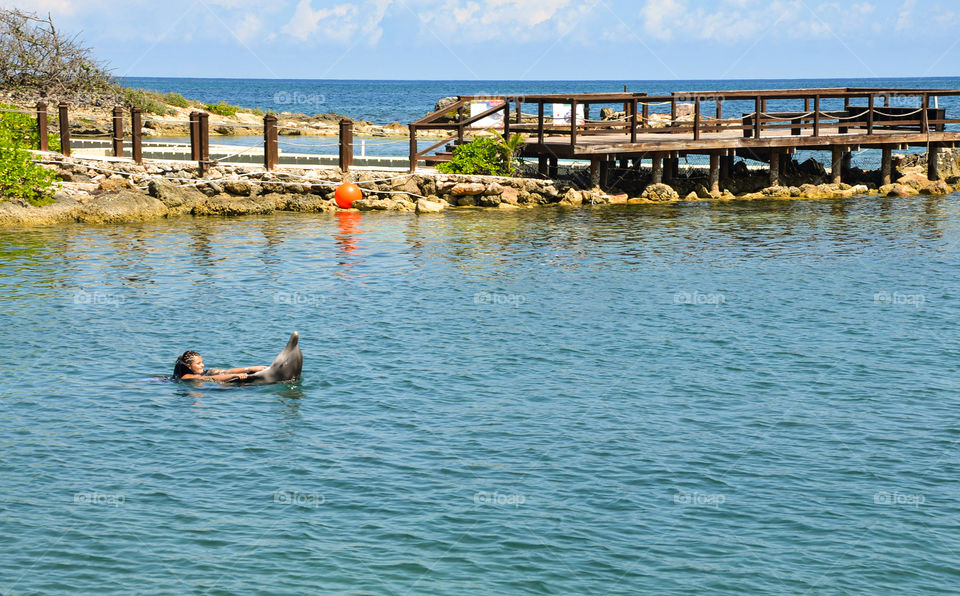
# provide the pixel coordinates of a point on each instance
(645, 115)
(696, 118)
(573, 124)
(925, 114)
(64, 116)
(136, 134)
(673, 111)
(756, 122)
(633, 120)
(506, 120)
(870, 114)
(540, 122)
(204, 126)
(42, 129)
(346, 144)
(519, 109)
(194, 136)
(117, 131)
(271, 149)
(413, 148)
(719, 127)
(816, 115)
(460, 125)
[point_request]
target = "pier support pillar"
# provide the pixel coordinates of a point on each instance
(714, 172)
(542, 165)
(836, 164)
(933, 162)
(886, 165)
(605, 171)
(624, 163)
(657, 168)
(595, 171)
(774, 168)
(726, 164)
(847, 162)
(671, 168)
(554, 168)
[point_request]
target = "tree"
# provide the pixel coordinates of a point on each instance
(36, 57)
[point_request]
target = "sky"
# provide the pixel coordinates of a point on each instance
(515, 39)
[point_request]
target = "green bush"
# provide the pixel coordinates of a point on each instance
(177, 100)
(20, 176)
(221, 109)
(148, 101)
(479, 156)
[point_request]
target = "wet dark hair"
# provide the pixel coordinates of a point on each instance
(182, 367)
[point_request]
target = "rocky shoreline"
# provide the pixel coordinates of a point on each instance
(104, 191)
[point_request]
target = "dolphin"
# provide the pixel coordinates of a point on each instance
(285, 367)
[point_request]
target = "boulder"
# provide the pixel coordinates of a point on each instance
(466, 201)
(510, 195)
(660, 192)
(308, 203)
(238, 188)
(428, 206)
(488, 200)
(571, 198)
(230, 205)
(467, 189)
(121, 207)
(373, 204)
(177, 199)
(115, 183)
(692, 196)
(936, 189)
(915, 181)
(812, 168)
(445, 102)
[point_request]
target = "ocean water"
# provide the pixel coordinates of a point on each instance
(734, 398)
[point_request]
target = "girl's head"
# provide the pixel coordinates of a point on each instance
(189, 363)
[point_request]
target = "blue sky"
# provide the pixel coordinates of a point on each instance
(516, 39)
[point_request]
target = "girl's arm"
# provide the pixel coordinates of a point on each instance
(221, 378)
(246, 369)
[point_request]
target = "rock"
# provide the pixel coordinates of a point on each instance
(795, 191)
(507, 206)
(121, 207)
(494, 188)
(702, 192)
(373, 204)
(116, 182)
(915, 181)
(238, 188)
(488, 200)
(740, 169)
(465, 201)
(445, 102)
(660, 192)
(177, 199)
(937, 189)
(811, 167)
(230, 205)
(510, 195)
(427, 206)
(903, 190)
(467, 189)
(309, 203)
(776, 191)
(859, 189)
(692, 196)
(571, 198)
(886, 189)
(620, 199)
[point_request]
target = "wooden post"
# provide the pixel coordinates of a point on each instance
(671, 169)
(573, 124)
(933, 162)
(506, 120)
(594, 171)
(870, 114)
(204, 126)
(645, 115)
(271, 149)
(460, 115)
(194, 136)
(542, 165)
(673, 111)
(847, 161)
(719, 127)
(43, 132)
(756, 120)
(696, 118)
(886, 165)
(64, 116)
(604, 172)
(136, 134)
(346, 144)
(657, 168)
(714, 171)
(118, 131)
(816, 115)
(836, 164)
(519, 112)
(554, 167)
(774, 167)
(726, 162)
(925, 114)
(413, 148)
(633, 120)
(539, 122)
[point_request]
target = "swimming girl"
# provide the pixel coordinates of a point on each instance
(189, 367)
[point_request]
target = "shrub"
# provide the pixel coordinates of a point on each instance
(221, 109)
(483, 155)
(148, 101)
(20, 176)
(177, 100)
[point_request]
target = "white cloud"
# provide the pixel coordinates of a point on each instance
(341, 23)
(485, 20)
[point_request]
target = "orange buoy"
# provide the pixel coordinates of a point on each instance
(346, 194)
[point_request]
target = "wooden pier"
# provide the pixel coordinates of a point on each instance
(765, 125)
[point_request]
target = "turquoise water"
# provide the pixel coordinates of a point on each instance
(733, 398)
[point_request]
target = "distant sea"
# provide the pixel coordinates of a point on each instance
(383, 102)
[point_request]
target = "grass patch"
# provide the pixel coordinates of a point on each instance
(221, 109)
